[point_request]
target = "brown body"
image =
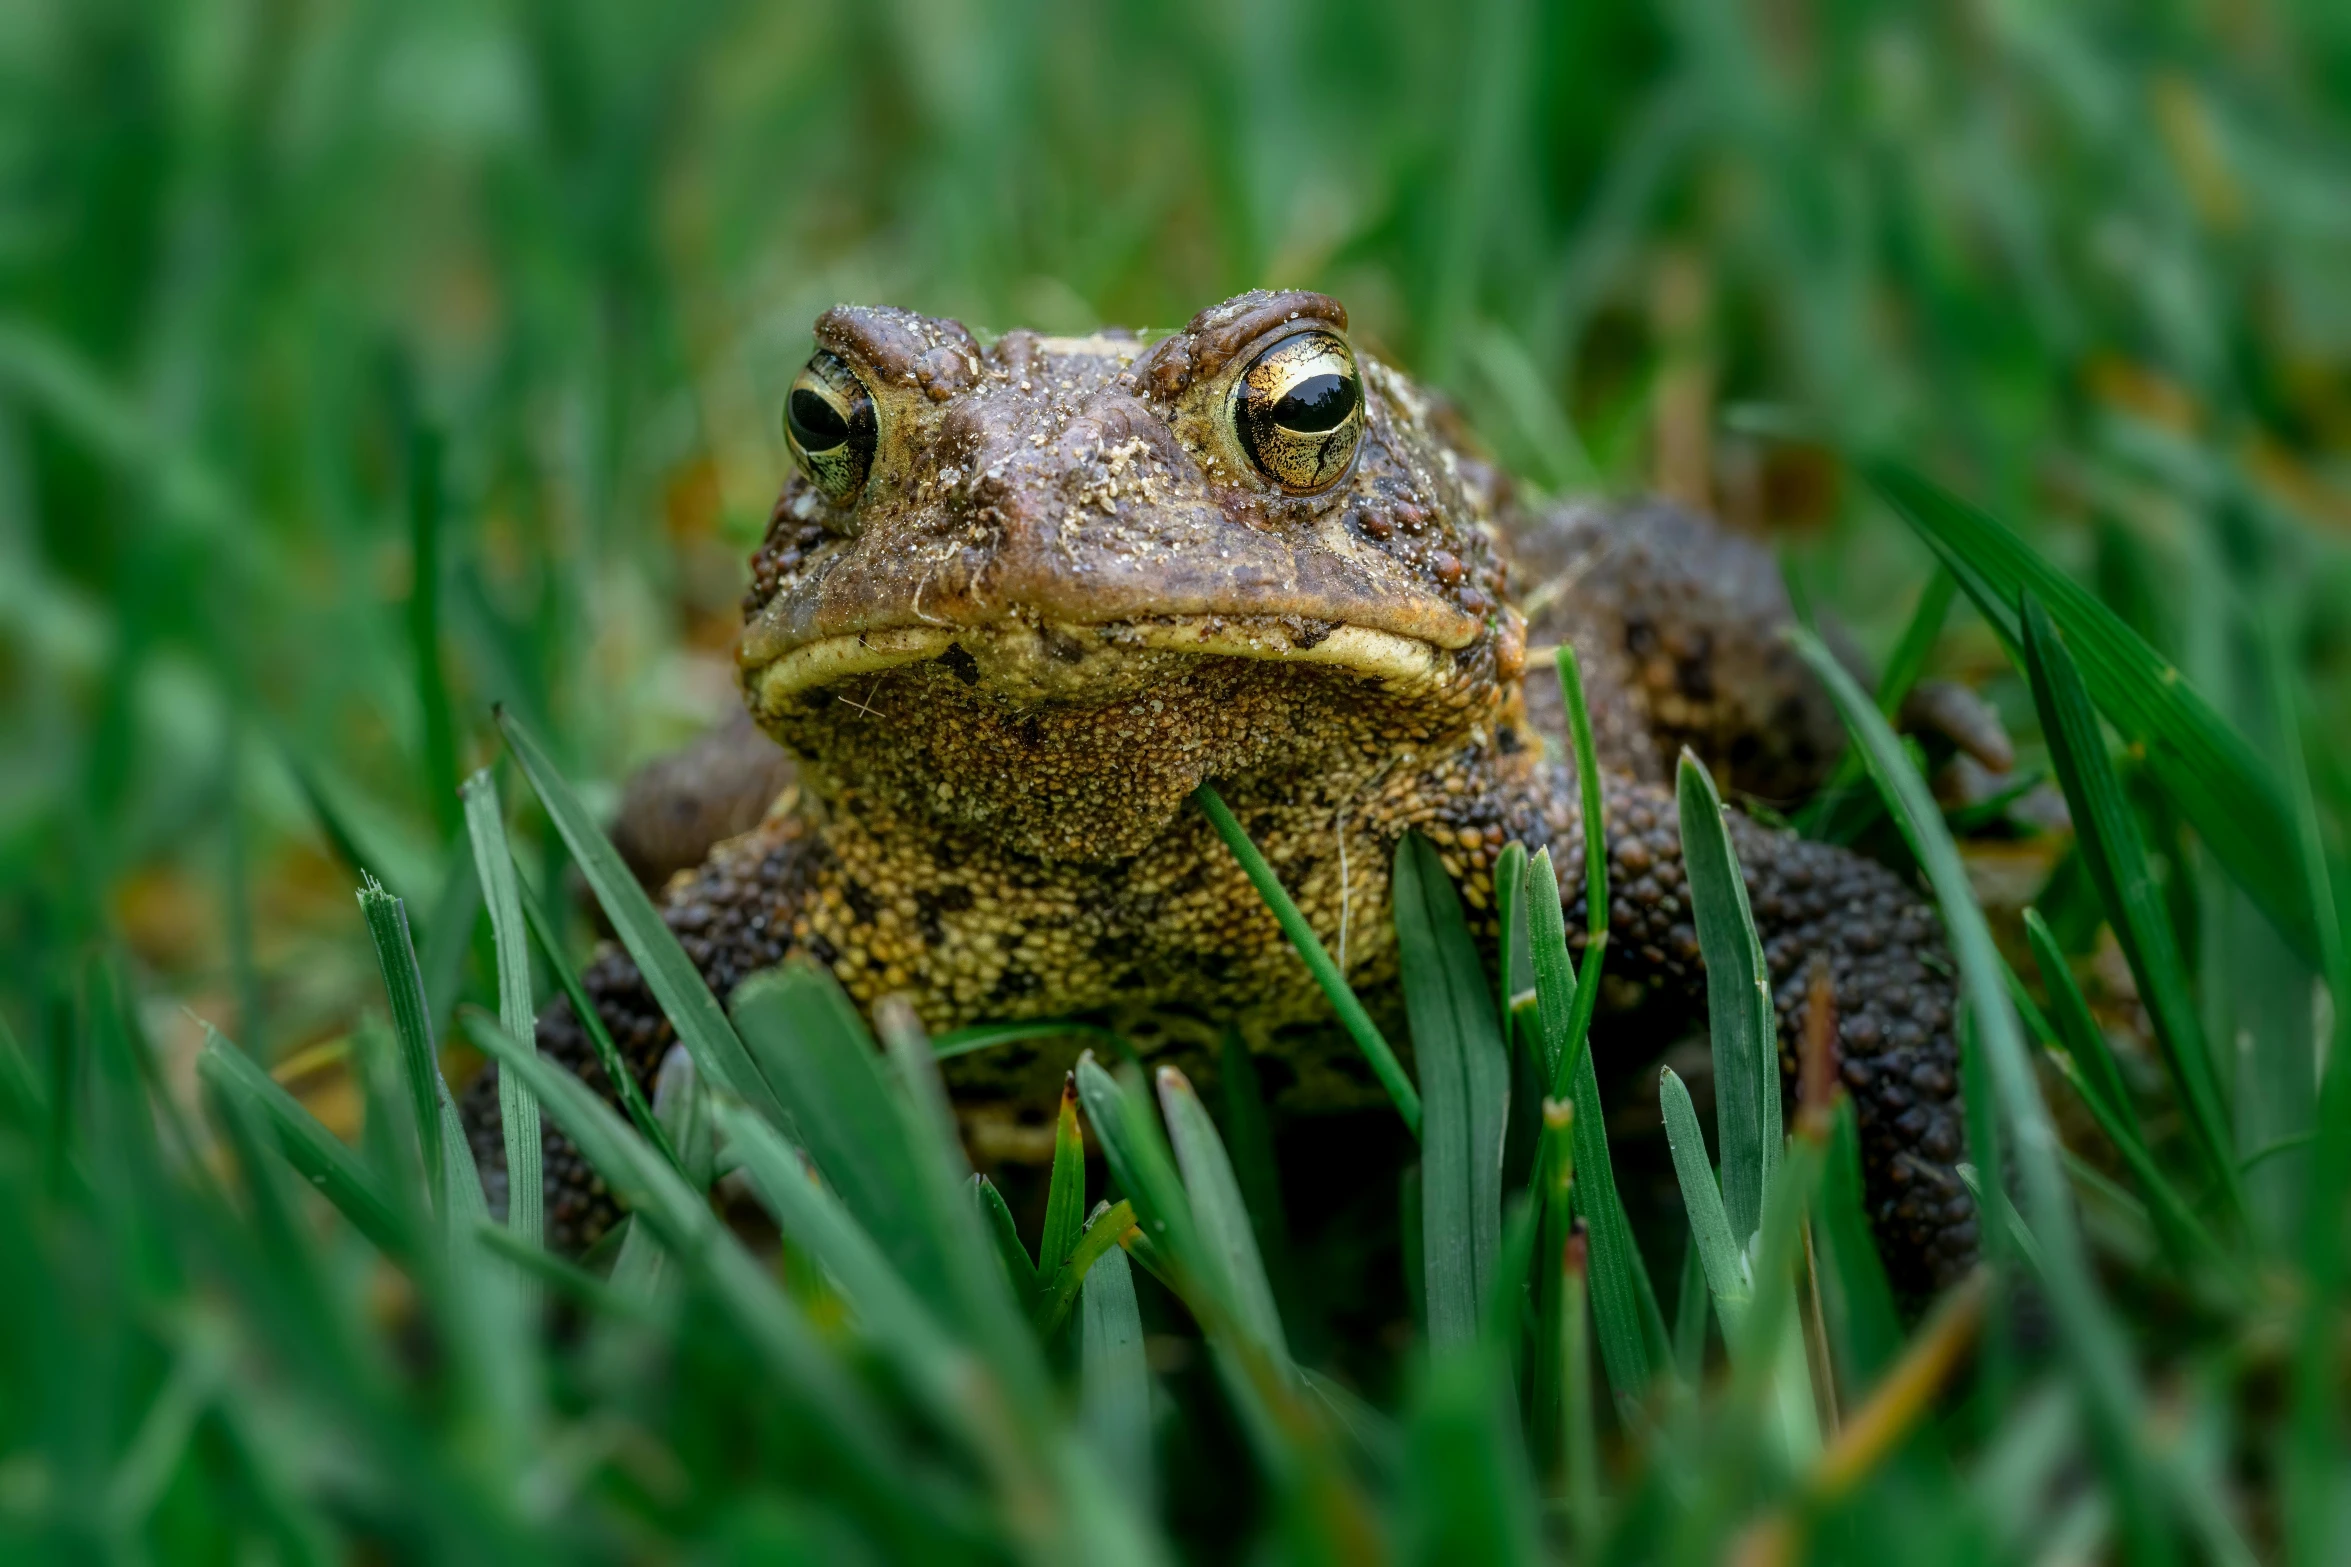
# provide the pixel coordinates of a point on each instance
(1039, 590)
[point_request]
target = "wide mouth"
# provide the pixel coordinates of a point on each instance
(1042, 659)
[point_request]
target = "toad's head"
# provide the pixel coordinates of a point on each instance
(1046, 586)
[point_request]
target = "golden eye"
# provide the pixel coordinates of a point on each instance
(1299, 412)
(829, 420)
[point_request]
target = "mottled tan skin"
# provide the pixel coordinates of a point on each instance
(1064, 597)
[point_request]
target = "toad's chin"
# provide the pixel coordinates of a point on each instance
(1083, 742)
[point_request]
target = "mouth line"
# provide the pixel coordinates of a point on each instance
(1401, 664)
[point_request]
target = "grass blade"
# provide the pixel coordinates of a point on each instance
(652, 1190)
(685, 999)
(996, 1216)
(1065, 1195)
(1587, 764)
(316, 1153)
(1865, 1332)
(2096, 1356)
(1114, 1380)
(1223, 1218)
(1511, 960)
(1352, 1017)
(1710, 1222)
(1830, 814)
(2078, 1048)
(1740, 1016)
(1171, 1244)
(941, 1371)
(1108, 1230)
(1465, 1074)
(841, 1107)
(1249, 1139)
(2204, 765)
(1554, 971)
(1466, 1493)
(2108, 833)
(518, 1112)
(566, 1278)
(412, 1026)
(987, 1306)
(616, 1070)
(2072, 1025)
(1633, 1342)
(1582, 1445)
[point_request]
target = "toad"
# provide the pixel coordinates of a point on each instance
(1019, 598)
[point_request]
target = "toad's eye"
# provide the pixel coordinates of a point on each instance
(1299, 412)
(829, 420)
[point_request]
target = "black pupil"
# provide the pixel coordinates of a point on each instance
(816, 424)
(1318, 403)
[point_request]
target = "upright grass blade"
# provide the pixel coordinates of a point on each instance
(1857, 1301)
(1572, 1031)
(996, 1215)
(687, 1002)
(1465, 1077)
(1719, 1251)
(518, 1112)
(1249, 1139)
(2314, 1458)
(1292, 1445)
(938, 1366)
(644, 1271)
(1352, 1017)
(1065, 1195)
(2078, 1048)
(1467, 1495)
(2108, 833)
(1587, 764)
(1556, 987)
(1582, 1445)
(987, 1304)
(616, 1070)
(1689, 1316)
(1510, 964)
(1222, 1216)
(2074, 1027)
(482, 1304)
(412, 1027)
(1114, 1380)
(315, 1153)
(840, 1106)
(2204, 765)
(2096, 1354)
(1830, 813)
(1740, 1015)
(1633, 1342)
(651, 1189)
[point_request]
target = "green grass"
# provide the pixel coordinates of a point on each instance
(367, 369)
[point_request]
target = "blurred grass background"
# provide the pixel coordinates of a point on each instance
(363, 362)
